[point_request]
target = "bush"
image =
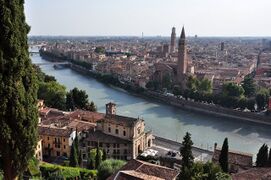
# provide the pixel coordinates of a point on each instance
(109, 167)
(50, 171)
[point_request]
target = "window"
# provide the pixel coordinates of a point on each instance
(64, 139)
(114, 145)
(125, 144)
(118, 145)
(125, 151)
(118, 151)
(88, 143)
(138, 130)
(84, 156)
(117, 131)
(57, 153)
(114, 151)
(124, 133)
(108, 145)
(109, 129)
(64, 147)
(48, 138)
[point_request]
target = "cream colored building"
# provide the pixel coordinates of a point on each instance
(38, 151)
(121, 137)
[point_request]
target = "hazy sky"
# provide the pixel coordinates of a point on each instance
(153, 17)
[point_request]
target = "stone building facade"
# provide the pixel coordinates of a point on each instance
(121, 137)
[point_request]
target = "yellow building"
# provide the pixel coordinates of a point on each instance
(56, 141)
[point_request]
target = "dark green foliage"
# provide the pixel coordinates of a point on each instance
(73, 156)
(167, 81)
(207, 171)
(187, 157)
(109, 167)
(152, 85)
(18, 91)
(55, 171)
(53, 94)
(262, 98)
(92, 158)
(33, 169)
(249, 86)
(223, 157)
(98, 157)
(79, 99)
(231, 89)
(100, 50)
(262, 156)
(104, 155)
(80, 159)
(269, 158)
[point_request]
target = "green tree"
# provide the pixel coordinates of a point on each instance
(79, 99)
(223, 157)
(166, 81)
(73, 156)
(249, 86)
(53, 94)
(187, 157)
(262, 156)
(92, 158)
(104, 155)
(18, 91)
(233, 90)
(100, 50)
(109, 167)
(192, 83)
(262, 98)
(91, 107)
(98, 157)
(207, 171)
(205, 86)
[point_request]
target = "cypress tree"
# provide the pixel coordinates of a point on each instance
(187, 157)
(262, 156)
(73, 156)
(223, 157)
(104, 155)
(269, 158)
(18, 91)
(98, 157)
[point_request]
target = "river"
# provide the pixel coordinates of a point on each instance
(164, 120)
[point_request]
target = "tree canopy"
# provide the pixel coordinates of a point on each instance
(18, 91)
(224, 155)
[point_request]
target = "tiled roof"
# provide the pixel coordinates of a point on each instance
(48, 131)
(146, 169)
(105, 138)
(133, 175)
(121, 120)
(243, 160)
(87, 116)
(254, 173)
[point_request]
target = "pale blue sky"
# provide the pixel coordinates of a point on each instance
(153, 17)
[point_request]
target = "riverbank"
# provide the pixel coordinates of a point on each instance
(209, 109)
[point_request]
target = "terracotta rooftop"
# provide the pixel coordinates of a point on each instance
(146, 170)
(243, 160)
(253, 173)
(47, 131)
(121, 120)
(87, 116)
(105, 138)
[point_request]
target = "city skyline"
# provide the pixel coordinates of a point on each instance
(153, 18)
